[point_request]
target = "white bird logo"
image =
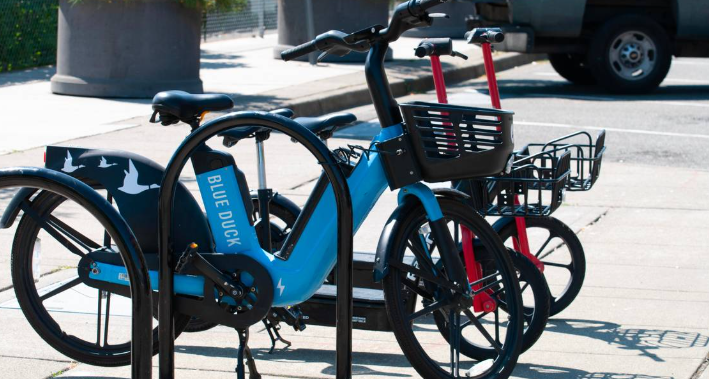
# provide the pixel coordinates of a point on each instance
(130, 183)
(105, 164)
(68, 163)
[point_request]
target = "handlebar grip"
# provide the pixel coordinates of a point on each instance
(495, 36)
(485, 35)
(299, 51)
(423, 50)
(418, 7)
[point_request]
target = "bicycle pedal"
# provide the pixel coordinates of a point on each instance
(186, 257)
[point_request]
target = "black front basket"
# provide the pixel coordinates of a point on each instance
(453, 142)
(534, 187)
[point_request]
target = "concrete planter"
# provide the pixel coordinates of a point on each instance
(131, 48)
(346, 15)
(453, 27)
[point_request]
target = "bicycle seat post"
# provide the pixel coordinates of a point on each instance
(264, 193)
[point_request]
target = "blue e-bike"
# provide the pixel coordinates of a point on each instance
(221, 274)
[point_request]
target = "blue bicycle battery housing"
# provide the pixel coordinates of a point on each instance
(227, 202)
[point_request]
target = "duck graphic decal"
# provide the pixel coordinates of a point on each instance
(130, 183)
(69, 164)
(105, 164)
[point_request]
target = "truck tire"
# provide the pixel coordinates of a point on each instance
(573, 68)
(630, 54)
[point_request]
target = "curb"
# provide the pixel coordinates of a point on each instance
(359, 95)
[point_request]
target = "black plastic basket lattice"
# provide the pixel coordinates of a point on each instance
(534, 187)
(586, 157)
(453, 142)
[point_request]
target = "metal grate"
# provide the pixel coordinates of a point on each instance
(28, 33)
(256, 17)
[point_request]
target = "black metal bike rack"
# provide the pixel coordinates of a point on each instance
(141, 295)
(166, 330)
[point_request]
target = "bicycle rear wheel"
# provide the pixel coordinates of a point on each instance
(413, 258)
(535, 299)
(84, 323)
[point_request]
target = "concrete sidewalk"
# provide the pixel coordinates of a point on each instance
(243, 68)
(642, 314)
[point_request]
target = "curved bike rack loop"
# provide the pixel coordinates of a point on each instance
(79, 192)
(338, 180)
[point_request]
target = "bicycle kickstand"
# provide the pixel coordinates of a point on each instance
(273, 332)
(245, 351)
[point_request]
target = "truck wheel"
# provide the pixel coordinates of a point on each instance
(630, 54)
(572, 67)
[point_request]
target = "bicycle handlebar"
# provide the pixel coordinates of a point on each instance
(299, 51)
(406, 16)
(485, 35)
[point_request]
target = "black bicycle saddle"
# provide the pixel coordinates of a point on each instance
(324, 126)
(186, 107)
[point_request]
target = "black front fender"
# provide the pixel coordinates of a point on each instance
(386, 240)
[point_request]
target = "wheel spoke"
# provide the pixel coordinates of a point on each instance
(483, 280)
(50, 230)
(551, 237)
(552, 264)
(424, 275)
(524, 288)
(428, 309)
(487, 287)
(108, 313)
(61, 288)
(454, 330)
(423, 259)
(497, 325)
(481, 329)
(410, 284)
(98, 319)
(74, 235)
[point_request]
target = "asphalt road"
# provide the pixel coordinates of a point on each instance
(669, 127)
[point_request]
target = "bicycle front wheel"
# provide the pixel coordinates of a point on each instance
(416, 270)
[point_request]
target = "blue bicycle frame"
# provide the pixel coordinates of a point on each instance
(296, 279)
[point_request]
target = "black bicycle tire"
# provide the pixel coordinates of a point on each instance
(575, 248)
(27, 230)
(396, 308)
(539, 316)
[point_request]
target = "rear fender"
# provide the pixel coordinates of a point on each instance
(13, 208)
(133, 182)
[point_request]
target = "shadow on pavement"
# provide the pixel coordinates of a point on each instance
(214, 61)
(516, 88)
(643, 341)
(533, 371)
(309, 356)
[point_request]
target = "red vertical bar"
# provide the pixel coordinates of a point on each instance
(521, 244)
(438, 80)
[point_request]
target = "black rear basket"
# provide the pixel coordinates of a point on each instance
(534, 187)
(452, 142)
(586, 157)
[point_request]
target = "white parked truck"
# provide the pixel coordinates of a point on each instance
(625, 46)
